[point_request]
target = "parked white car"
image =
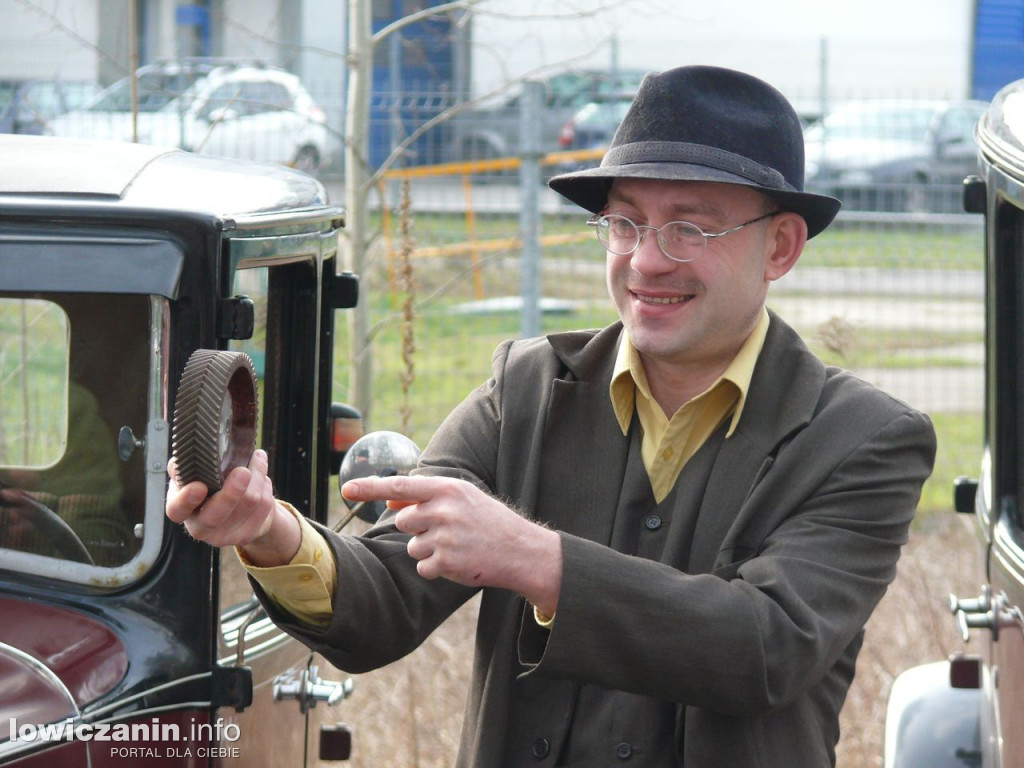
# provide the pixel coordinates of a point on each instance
(244, 111)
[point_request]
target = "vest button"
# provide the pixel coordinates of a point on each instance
(653, 523)
(624, 751)
(541, 748)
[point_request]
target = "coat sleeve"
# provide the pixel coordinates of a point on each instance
(811, 553)
(383, 609)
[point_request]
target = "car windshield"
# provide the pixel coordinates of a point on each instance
(603, 112)
(156, 90)
(900, 123)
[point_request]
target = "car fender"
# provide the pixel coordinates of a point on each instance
(930, 723)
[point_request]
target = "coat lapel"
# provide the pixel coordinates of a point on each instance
(584, 451)
(784, 390)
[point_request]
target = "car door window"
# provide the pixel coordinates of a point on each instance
(269, 97)
(73, 428)
(229, 96)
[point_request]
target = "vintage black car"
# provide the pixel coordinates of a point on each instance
(966, 711)
(123, 641)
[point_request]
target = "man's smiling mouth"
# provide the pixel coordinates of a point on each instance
(662, 299)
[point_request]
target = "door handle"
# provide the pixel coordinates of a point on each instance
(987, 611)
(308, 688)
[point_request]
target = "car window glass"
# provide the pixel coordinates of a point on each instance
(33, 374)
(565, 89)
(7, 93)
(252, 98)
(958, 125)
(227, 96)
(275, 98)
(68, 489)
(76, 95)
(156, 91)
(234, 585)
(41, 101)
(877, 122)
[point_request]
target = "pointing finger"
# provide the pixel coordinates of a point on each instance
(398, 490)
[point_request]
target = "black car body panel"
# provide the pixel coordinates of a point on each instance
(116, 263)
(987, 685)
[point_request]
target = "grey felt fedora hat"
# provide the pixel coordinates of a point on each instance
(703, 123)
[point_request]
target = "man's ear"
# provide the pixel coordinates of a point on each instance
(786, 239)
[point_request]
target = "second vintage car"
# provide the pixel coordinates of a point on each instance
(965, 712)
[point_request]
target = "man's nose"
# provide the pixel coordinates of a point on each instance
(648, 258)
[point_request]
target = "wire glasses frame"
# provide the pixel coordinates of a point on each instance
(681, 241)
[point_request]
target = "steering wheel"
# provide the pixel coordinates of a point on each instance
(50, 526)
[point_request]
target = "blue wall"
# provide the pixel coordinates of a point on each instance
(412, 81)
(998, 56)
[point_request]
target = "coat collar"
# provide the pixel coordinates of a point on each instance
(583, 440)
(783, 391)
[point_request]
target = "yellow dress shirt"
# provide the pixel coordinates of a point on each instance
(669, 443)
(305, 587)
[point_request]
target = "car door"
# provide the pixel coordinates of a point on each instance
(249, 120)
(998, 618)
(290, 698)
(275, 726)
(1006, 640)
(276, 729)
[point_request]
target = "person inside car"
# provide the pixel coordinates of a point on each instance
(680, 523)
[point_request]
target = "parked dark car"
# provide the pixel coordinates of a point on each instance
(122, 640)
(966, 711)
(890, 155)
(492, 132)
(27, 106)
(593, 125)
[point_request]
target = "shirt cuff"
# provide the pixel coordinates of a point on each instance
(542, 619)
(305, 586)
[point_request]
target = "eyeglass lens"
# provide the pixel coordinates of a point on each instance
(677, 239)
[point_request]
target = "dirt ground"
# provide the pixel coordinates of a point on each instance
(408, 715)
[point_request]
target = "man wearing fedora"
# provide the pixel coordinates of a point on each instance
(679, 523)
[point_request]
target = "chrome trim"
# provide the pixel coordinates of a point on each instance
(41, 669)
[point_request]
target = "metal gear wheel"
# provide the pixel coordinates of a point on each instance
(215, 416)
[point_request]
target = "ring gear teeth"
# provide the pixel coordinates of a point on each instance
(214, 416)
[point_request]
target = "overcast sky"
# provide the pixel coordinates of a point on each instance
(886, 47)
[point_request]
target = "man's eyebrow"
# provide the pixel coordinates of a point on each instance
(680, 210)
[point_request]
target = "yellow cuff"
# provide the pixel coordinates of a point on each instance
(542, 618)
(305, 587)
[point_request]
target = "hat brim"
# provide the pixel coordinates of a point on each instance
(589, 188)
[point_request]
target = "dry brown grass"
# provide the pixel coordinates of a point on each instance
(408, 715)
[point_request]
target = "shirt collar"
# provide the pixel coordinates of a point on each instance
(630, 380)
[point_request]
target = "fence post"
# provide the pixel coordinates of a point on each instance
(529, 205)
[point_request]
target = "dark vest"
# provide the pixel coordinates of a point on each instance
(565, 723)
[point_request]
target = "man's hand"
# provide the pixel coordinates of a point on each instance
(462, 534)
(244, 513)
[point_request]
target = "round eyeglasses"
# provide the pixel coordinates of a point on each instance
(679, 240)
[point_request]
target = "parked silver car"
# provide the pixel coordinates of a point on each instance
(888, 155)
(226, 109)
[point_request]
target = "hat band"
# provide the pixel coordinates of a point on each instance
(696, 154)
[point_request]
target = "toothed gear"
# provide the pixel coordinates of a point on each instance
(215, 416)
